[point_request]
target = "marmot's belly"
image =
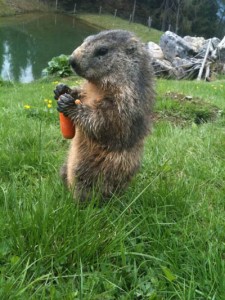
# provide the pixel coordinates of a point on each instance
(88, 162)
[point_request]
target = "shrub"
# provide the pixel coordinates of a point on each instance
(58, 66)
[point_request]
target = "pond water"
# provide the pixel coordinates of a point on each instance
(28, 42)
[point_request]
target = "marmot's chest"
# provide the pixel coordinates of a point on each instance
(91, 95)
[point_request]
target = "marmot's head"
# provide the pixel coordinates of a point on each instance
(110, 56)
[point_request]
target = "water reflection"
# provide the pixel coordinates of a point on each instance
(26, 74)
(6, 72)
(26, 46)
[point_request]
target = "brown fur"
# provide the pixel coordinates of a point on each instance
(113, 115)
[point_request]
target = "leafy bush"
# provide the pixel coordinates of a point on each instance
(58, 66)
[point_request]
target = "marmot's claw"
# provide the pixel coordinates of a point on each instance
(65, 103)
(60, 90)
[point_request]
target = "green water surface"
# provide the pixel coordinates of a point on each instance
(28, 42)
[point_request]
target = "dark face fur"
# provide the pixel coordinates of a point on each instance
(101, 57)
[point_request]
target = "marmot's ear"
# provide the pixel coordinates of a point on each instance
(131, 45)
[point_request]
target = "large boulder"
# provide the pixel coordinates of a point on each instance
(220, 51)
(213, 45)
(215, 42)
(173, 46)
(196, 43)
(155, 50)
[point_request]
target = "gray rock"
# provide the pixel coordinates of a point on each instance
(155, 50)
(220, 51)
(196, 43)
(215, 42)
(173, 46)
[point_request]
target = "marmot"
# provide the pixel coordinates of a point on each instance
(113, 116)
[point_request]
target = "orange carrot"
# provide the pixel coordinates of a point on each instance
(67, 126)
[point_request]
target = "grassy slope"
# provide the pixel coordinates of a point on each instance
(18, 6)
(164, 239)
(4, 9)
(109, 22)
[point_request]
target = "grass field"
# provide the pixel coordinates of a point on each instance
(13, 7)
(163, 239)
(105, 21)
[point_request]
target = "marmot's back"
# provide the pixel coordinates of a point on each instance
(115, 111)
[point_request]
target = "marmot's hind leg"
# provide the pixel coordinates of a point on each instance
(83, 192)
(88, 192)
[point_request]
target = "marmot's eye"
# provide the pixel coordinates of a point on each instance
(102, 51)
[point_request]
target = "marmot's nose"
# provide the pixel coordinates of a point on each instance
(75, 65)
(73, 62)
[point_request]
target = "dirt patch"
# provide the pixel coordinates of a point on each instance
(181, 109)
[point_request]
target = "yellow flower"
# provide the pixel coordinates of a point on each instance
(49, 101)
(46, 100)
(55, 82)
(27, 106)
(49, 105)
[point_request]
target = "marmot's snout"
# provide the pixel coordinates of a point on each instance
(76, 58)
(75, 65)
(72, 62)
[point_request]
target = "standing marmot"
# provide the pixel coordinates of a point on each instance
(113, 115)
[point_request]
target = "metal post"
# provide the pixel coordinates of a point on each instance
(75, 8)
(149, 22)
(130, 19)
(133, 12)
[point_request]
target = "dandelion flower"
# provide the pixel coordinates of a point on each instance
(49, 101)
(49, 105)
(27, 106)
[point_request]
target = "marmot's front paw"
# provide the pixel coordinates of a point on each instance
(60, 90)
(65, 103)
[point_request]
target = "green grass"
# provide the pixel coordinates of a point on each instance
(9, 8)
(4, 9)
(163, 239)
(109, 22)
